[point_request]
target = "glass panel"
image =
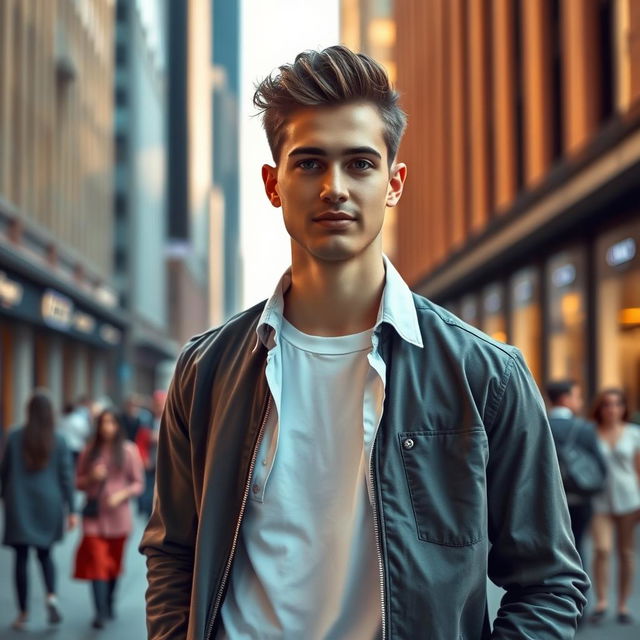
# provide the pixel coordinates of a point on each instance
(526, 318)
(494, 320)
(469, 309)
(565, 277)
(618, 255)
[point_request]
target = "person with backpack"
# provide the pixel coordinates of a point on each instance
(582, 464)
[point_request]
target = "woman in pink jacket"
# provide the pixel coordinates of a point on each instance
(110, 472)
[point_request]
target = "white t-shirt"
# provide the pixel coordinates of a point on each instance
(306, 564)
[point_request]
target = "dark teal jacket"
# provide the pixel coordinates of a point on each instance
(466, 478)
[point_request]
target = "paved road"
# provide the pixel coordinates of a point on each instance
(75, 601)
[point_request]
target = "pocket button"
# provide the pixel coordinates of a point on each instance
(408, 443)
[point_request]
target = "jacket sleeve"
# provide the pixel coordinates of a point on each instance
(169, 538)
(533, 556)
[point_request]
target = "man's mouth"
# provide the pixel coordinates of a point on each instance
(335, 220)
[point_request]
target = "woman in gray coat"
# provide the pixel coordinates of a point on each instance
(37, 488)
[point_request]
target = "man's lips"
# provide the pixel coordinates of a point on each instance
(333, 216)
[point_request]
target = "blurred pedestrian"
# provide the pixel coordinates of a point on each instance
(37, 489)
(130, 418)
(147, 442)
(575, 438)
(76, 429)
(617, 508)
(110, 471)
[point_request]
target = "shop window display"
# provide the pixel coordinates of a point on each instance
(494, 321)
(526, 318)
(565, 276)
(618, 304)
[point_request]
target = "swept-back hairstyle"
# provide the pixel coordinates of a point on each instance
(327, 78)
(37, 442)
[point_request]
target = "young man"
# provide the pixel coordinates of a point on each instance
(350, 460)
(566, 401)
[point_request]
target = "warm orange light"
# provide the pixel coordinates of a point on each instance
(382, 32)
(500, 336)
(631, 315)
(570, 305)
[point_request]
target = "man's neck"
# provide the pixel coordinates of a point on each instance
(335, 298)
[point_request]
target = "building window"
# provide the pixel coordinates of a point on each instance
(566, 317)
(618, 304)
(494, 319)
(525, 331)
(469, 309)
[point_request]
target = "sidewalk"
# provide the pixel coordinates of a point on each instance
(75, 598)
(77, 609)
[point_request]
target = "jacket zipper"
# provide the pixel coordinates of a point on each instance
(243, 505)
(376, 529)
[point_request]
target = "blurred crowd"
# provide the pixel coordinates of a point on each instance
(94, 461)
(599, 459)
(108, 453)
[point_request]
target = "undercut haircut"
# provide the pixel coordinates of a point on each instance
(332, 77)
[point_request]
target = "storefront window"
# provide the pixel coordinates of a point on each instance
(526, 318)
(494, 320)
(566, 309)
(618, 297)
(469, 309)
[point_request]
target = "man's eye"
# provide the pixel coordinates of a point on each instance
(362, 164)
(308, 164)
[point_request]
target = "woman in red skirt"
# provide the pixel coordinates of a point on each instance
(110, 472)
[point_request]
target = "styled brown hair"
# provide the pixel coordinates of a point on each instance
(37, 442)
(596, 412)
(331, 77)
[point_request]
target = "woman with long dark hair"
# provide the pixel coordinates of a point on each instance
(37, 489)
(617, 508)
(110, 472)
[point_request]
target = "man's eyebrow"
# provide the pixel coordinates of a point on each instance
(317, 151)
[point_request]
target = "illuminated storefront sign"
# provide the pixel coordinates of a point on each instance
(621, 252)
(26, 301)
(11, 292)
(56, 310)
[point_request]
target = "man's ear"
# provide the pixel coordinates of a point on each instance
(270, 179)
(398, 174)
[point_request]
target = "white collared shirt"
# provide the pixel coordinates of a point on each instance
(306, 563)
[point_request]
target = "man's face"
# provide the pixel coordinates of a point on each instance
(574, 399)
(333, 181)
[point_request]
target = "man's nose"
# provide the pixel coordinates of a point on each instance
(334, 186)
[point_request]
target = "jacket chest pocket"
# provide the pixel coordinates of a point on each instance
(445, 473)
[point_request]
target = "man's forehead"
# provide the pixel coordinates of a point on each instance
(342, 127)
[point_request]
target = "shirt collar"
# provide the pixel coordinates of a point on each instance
(396, 308)
(560, 412)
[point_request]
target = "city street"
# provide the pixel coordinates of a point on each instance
(74, 595)
(76, 607)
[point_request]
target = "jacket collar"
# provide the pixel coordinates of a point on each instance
(396, 309)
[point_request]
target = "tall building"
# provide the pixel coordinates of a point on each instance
(226, 271)
(521, 208)
(189, 169)
(61, 325)
(140, 202)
